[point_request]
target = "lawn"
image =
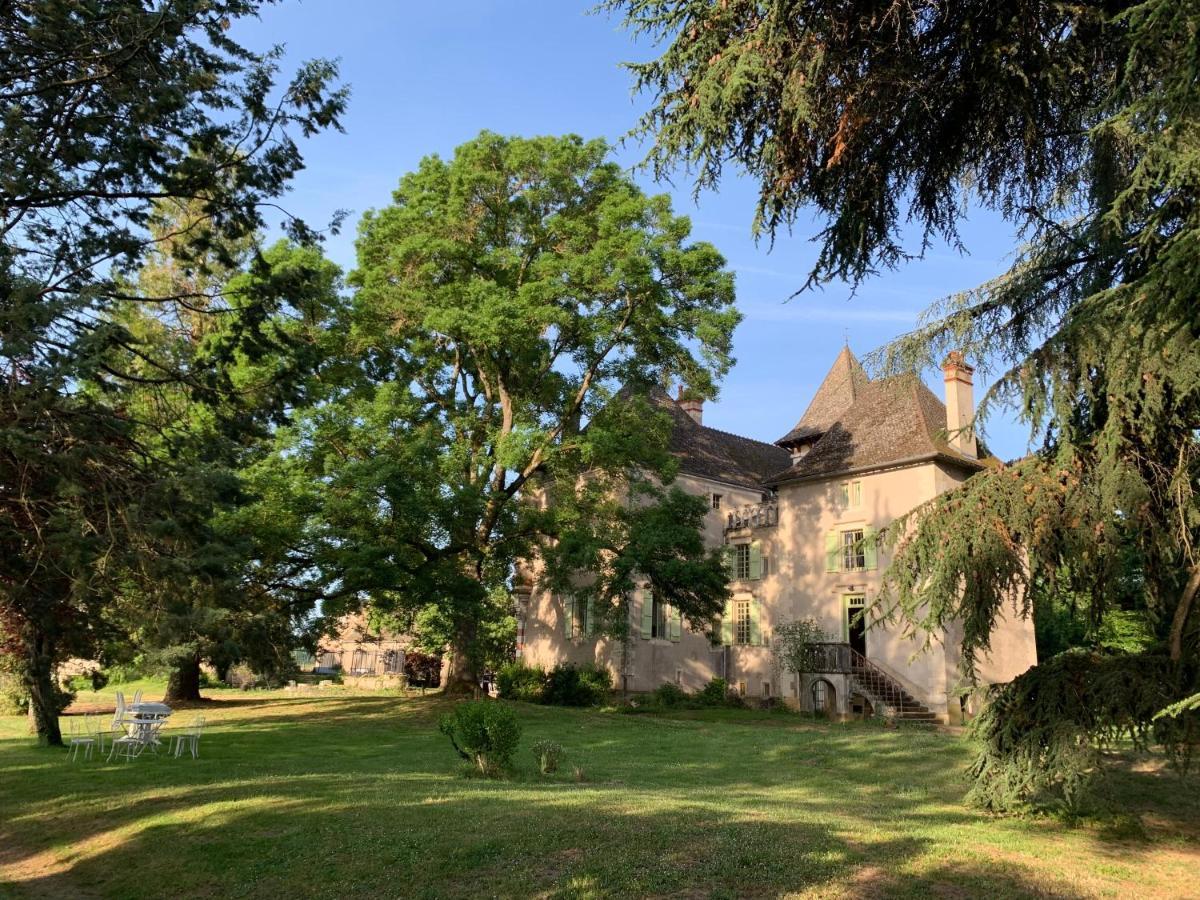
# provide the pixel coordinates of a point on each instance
(354, 794)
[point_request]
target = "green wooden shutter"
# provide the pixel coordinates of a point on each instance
(591, 619)
(756, 560)
(833, 551)
(870, 550)
(727, 624)
(727, 554)
(569, 617)
(755, 629)
(647, 613)
(676, 625)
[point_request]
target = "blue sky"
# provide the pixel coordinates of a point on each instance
(427, 77)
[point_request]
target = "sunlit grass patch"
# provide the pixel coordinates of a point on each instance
(345, 793)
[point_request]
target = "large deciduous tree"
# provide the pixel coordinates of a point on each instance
(1080, 122)
(502, 299)
(106, 109)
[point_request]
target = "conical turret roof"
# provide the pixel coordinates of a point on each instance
(839, 391)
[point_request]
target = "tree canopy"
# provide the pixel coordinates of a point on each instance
(1078, 121)
(501, 300)
(108, 111)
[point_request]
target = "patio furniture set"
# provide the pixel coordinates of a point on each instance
(135, 728)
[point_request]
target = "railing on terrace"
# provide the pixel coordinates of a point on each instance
(753, 515)
(830, 659)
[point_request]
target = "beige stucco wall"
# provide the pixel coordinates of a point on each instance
(643, 664)
(795, 585)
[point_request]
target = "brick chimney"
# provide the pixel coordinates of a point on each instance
(691, 404)
(960, 404)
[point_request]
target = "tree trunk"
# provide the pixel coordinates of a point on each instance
(1182, 611)
(459, 677)
(184, 683)
(39, 681)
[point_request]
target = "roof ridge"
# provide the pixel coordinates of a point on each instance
(740, 437)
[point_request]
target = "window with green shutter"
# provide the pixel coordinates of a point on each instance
(854, 550)
(833, 551)
(727, 624)
(568, 617)
(755, 627)
(647, 613)
(755, 561)
(870, 548)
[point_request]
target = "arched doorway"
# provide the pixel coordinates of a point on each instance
(824, 697)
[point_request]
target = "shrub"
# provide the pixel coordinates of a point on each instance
(423, 669)
(14, 698)
(548, 755)
(716, 693)
(671, 696)
(123, 673)
(568, 685)
(518, 681)
(483, 732)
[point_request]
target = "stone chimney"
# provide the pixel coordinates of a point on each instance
(691, 404)
(960, 404)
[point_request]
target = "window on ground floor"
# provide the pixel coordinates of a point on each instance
(741, 621)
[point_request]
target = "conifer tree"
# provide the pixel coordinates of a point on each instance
(1079, 122)
(106, 110)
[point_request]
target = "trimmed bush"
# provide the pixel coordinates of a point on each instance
(483, 732)
(568, 685)
(671, 696)
(548, 754)
(518, 681)
(717, 693)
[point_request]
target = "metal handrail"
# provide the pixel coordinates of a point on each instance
(831, 657)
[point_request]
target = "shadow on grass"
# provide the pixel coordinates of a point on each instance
(363, 790)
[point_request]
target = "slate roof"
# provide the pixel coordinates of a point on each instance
(718, 455)
(843, 385)
(891, 420)
(852, 424)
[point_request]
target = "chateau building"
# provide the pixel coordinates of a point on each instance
(798, 519)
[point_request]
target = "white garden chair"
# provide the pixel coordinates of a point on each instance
(142, 733)
(137, 697)
(80, 738)
(190, 738)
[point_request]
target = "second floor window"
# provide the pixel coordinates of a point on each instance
(746, 561)
(854, 551)
(716, 501)
(741, 561)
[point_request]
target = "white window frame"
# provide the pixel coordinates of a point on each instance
(854, 550)
(741, 562)
(851, 494)
(742, 618)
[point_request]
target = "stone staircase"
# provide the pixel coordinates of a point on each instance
(886, 694)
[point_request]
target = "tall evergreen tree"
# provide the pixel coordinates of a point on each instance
(1080, 122)
(107, 109)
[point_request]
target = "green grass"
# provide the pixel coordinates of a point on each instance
(355, 794)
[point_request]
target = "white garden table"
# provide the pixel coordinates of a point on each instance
(145, 720)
